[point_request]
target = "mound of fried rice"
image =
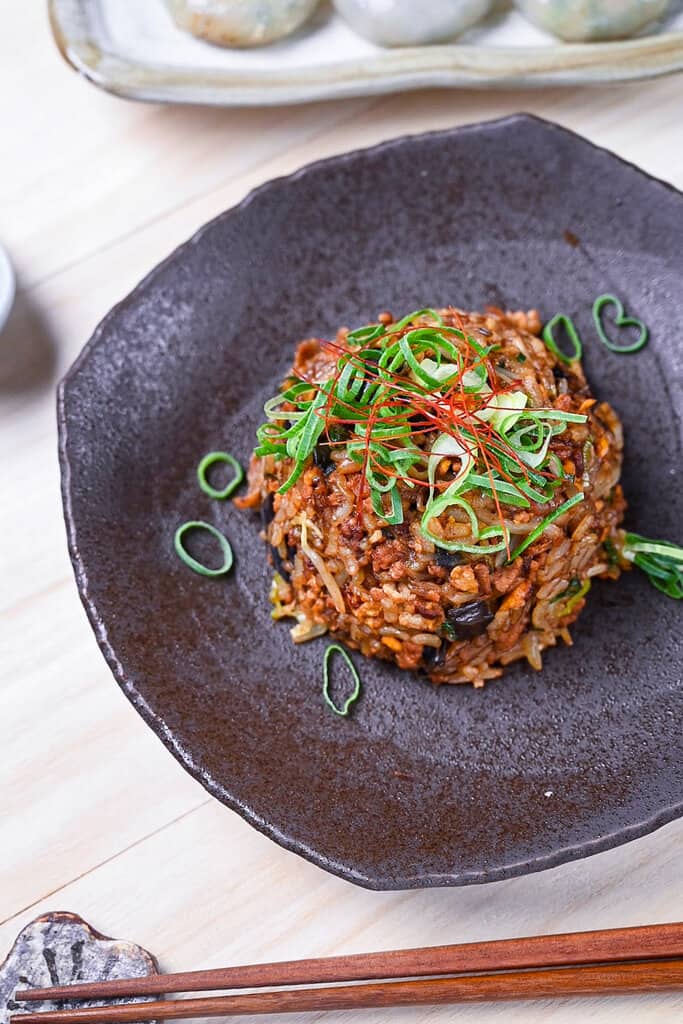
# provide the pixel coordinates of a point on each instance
(389, 591)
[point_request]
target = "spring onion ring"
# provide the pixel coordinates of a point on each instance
(211, 459)
(192, 563)
(355, 693)
(619, 321)
(572, 333)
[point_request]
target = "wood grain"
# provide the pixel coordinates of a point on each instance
(93, 811)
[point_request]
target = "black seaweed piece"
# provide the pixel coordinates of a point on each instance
(267, 513)
(278, 564)
(468, 620)
(433, 657)
(448, 559)
(322, 457)
(267, 510)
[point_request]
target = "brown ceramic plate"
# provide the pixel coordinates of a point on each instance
(420, 786)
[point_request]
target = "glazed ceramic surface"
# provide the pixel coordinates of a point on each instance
(420, 786)
(133, 49)
(7, 287)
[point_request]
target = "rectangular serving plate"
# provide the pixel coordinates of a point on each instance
(134, 50)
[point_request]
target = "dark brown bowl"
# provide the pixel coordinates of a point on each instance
(420, 786)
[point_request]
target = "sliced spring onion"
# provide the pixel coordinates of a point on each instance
(507, 493)
(536, 458)
(446, 445)
(441, 372)
(620, 320)
(573, 588)
(351, 380)
(431, 313)
(545, 523)
(574, 593)
(503, 411)
(660, 560)
(578, 596)
(426, 339)
(363, 335)
(304, 436)
(543, 492)
(272, 407)
(559, 415)
(529, 435)
(450, 499)
(205, 465)
(418, 378)
(560, 319)
(192, 563)
(355, 692)
(395, 515)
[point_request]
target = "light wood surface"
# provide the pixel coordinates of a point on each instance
(95, 816)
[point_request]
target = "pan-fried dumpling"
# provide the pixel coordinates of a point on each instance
(586, 20)
(241, 22)
(412, 22)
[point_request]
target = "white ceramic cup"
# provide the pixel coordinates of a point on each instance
(7, 287)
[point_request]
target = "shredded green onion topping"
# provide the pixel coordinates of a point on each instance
(192, 563)
(396, 383)
(575, 592)
(545, 523)
(211, 459)
(661, 561)
(620, 320)
(344, 709)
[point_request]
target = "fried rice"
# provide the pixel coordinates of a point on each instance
(392, 591)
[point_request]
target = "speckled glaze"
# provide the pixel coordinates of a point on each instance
(60, 948)
(419, 786)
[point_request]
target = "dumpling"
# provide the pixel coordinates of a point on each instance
(585, 20)
(411, 22)
(241, 22)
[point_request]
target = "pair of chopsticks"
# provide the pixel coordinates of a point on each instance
(607, 962)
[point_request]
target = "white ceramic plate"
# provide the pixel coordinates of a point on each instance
(132, 48)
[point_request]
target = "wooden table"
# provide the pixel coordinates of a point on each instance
(95, 815)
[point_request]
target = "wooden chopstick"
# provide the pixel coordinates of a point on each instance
(649, 942)
(605, 979)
